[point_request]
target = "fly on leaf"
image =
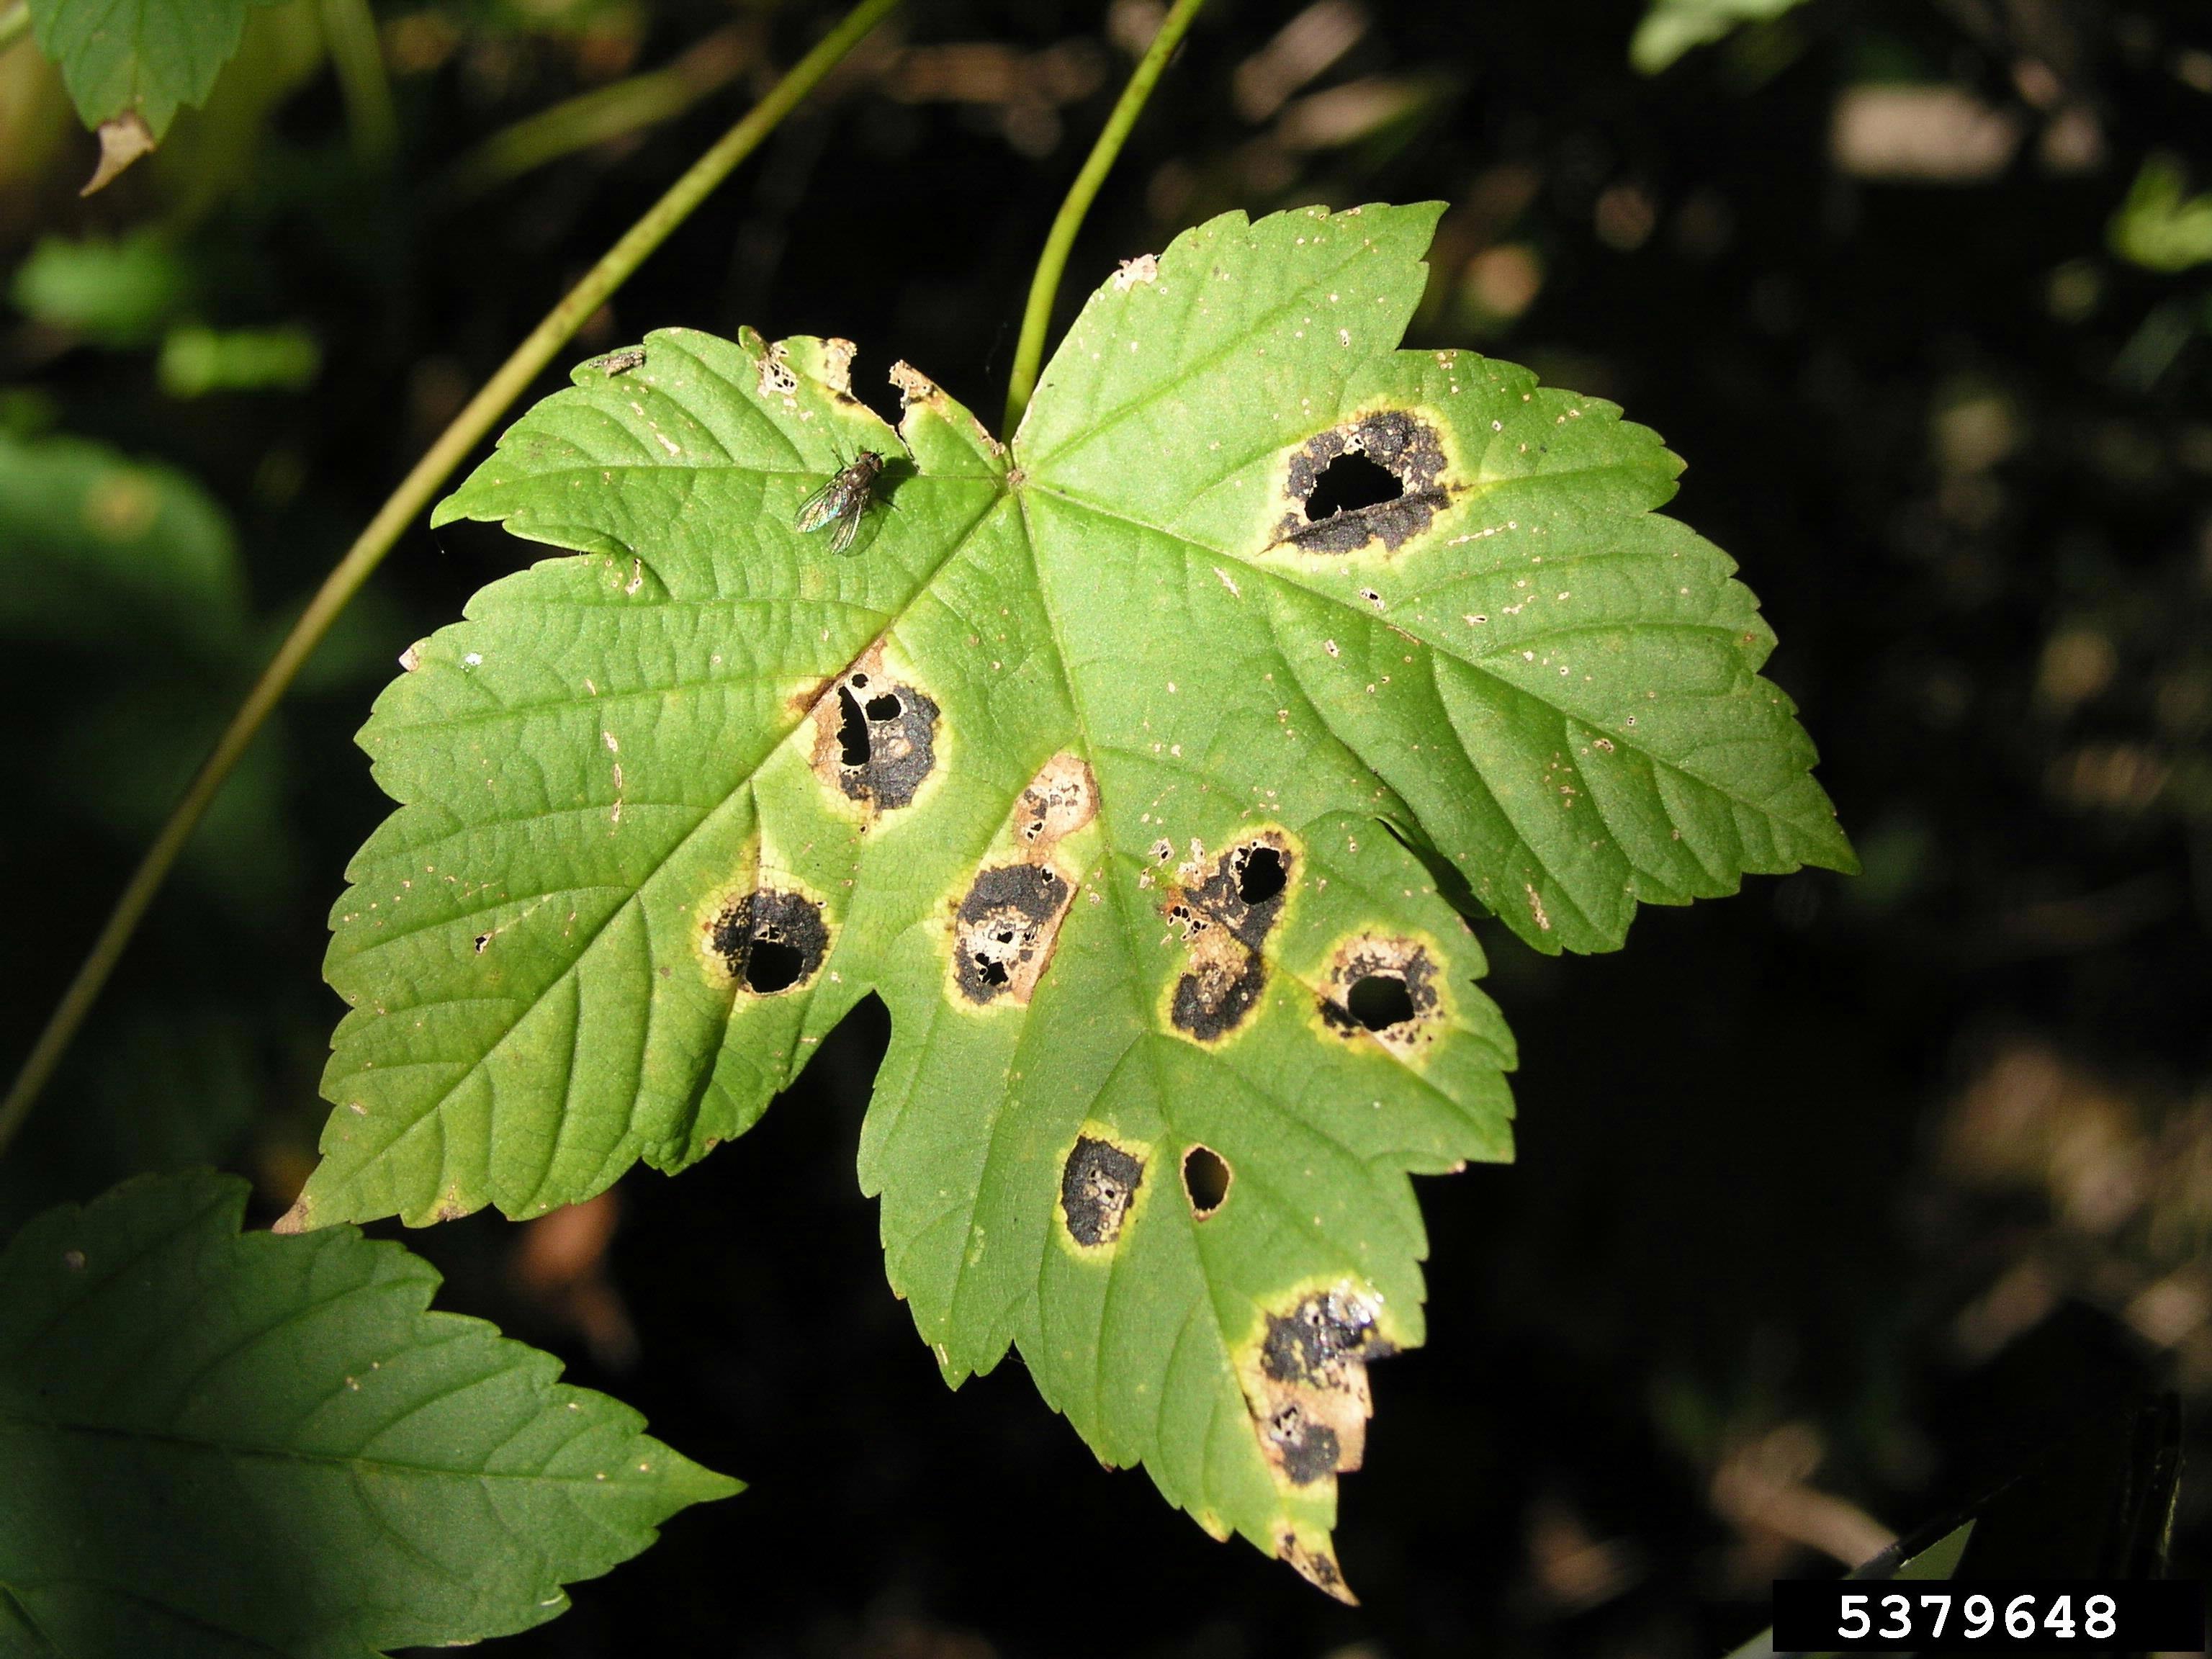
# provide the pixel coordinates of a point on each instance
(843, 501)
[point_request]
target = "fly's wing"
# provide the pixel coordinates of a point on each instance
(820, 508)
(849, 525)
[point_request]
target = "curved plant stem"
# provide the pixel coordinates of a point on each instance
(15, 22)
(413, 494)
(1036, 316)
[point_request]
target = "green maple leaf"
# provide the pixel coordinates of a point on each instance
(1116, 764)
(221, 1445)
(141, 56)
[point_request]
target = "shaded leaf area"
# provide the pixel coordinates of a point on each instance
(227, 1445)
(128, 551)
(146, 57)
(1086, 764)
(127, 585)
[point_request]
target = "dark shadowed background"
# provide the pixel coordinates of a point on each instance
(1836, 1201)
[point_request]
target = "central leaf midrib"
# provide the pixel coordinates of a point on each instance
(10, 1420)
(1182, 374)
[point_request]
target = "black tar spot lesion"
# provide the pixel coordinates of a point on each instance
(886, 741)
(1384, 987)
(1406, 446)
(1307, 1451)
(1226, 917)
(1098, 1185)
(770, 941)
(1004, 929)
(1317, 1342)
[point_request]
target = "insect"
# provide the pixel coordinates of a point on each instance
(843, 501)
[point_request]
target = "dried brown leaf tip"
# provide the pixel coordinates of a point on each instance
(1379, 478)
(1384, 988)
(1224, 912)
(122, 141)
(1316, 1562)
(875, 737)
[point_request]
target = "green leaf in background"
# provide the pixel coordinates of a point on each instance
(220, 1444)
(119, 293)
(125, 550)
(143, 58)
(1116, 765)
(1672, 27)
(2161, 227)
(196, 362)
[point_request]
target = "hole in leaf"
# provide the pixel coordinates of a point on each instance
(771, 966)
(1261, 875)
(1380, 1001)
(1204, 1180)
(1350, 483)
(852, 730)
(885, 707)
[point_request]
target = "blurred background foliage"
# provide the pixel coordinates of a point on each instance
(1835, 1202)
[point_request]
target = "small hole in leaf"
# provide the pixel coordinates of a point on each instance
(1349, 482)
(885, 707)
(1379, 1001)
(771, 965)
(1205, 1179)
(859, 681)
(1262, 876)
(852, 730)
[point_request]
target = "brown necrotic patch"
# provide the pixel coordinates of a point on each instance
(1384, 988)
(768, 941)
(875, 739)
(1098, 1185)
(1059, 800)
(1306, 1384)
(1004, 931)
(1379, 479)
(1225, 912)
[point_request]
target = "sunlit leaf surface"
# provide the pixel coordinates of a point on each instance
(1126, 766)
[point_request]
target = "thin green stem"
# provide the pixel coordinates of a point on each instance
(1036, 316)
(357, 56)
(14, 23)
(603, 114)
(406, 502)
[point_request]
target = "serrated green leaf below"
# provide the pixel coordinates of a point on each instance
(219, 1444)
(1094, 763)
